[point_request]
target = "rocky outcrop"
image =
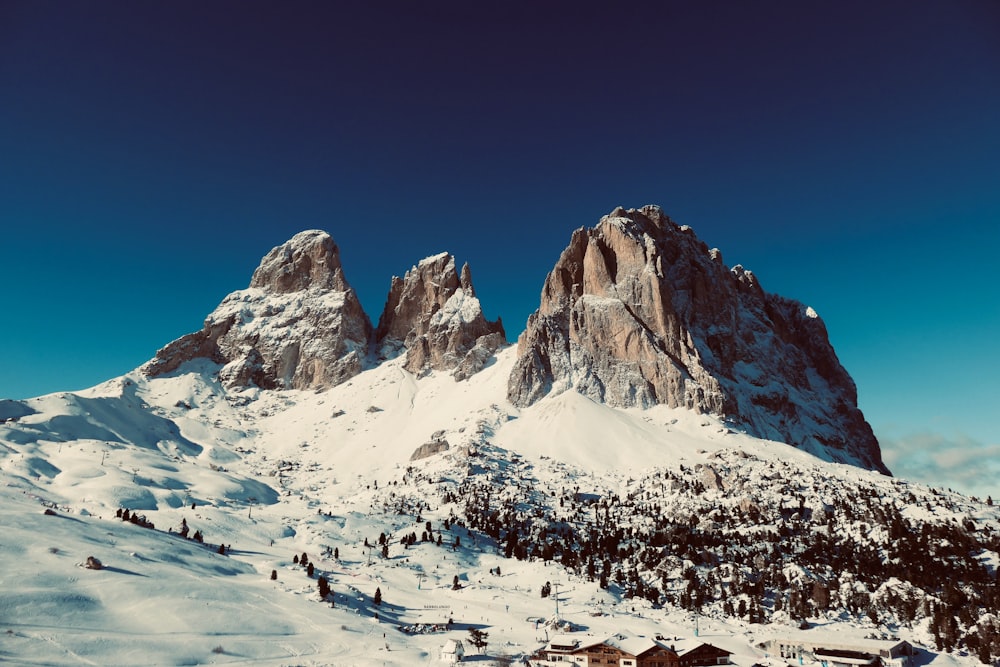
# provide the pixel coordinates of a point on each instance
(432, 316)
(638, 312)
(299, 325)
(430, 449)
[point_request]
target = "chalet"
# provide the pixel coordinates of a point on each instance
(561, 647)
(452, 652)
(704, 655)
(837, 651)
(616, 651)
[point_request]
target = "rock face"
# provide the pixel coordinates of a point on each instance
(299, 325)
(639, 312)
(432, 314)
(430, 449)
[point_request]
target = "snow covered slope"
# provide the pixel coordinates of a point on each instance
(633, 513)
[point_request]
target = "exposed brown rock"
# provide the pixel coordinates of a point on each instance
(433, 316)
(639, 312)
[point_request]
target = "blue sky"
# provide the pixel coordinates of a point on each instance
(847, 152)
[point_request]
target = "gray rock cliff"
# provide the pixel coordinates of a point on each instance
(298, 326)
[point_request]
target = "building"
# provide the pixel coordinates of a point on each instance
(627, 651)
(837, 651)
(453, 651)
(704, 655)
(561, 647)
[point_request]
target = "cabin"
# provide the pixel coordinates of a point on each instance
(452, 652)
(616, 651)
(561, 647)
(704, 655)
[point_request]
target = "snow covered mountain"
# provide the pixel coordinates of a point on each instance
(394, 462)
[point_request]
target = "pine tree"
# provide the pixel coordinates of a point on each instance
(377, 600)
(478, 638)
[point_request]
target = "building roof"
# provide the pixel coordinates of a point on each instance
(819, 637)
(706, 648)
(636, 646)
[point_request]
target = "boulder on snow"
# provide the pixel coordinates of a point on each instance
(430, 449)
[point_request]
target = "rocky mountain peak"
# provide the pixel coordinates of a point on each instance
(433, 316)
(638, 312)
(299, 325)
(309, 260)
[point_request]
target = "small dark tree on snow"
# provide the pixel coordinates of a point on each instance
(336, 553)
(377, 600)
(324, 587)
(455, 585)
(295, 559)
(385, 551)
(222, 549)
(310, 570)
(478, 638)
(198, 537)
(274, 575)
(546, 589)
(303, 559)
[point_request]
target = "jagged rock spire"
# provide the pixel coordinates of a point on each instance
(432, 314)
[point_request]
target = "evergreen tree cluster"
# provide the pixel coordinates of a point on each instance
(771, 538)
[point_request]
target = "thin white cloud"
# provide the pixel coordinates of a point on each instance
(957, 462)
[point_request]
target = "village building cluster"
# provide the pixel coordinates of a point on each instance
(623, 650)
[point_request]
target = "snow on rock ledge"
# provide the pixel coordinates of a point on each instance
(299, 325)
(433, 315)
(638, 312)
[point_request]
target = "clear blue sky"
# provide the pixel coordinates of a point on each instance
(847, 152)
